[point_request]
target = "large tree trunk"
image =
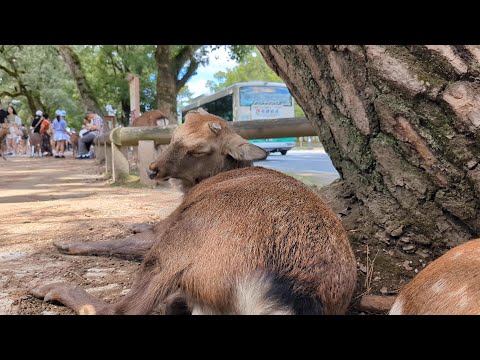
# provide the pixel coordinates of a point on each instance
(401, 125)
(166, 82)
(169, 68)
(70, 58)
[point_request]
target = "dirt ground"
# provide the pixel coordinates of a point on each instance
(51, 199)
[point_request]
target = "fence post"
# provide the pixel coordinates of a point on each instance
(99, 151)
(146, 154)
(120, 166)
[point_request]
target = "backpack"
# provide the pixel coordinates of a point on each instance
(44, 126)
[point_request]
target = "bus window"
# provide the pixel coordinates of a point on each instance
(222, 107)
(264, 95)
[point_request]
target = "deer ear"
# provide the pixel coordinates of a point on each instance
(215, 127)
(240, 149)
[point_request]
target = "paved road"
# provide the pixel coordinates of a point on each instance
(311, 166)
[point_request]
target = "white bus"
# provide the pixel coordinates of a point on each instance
(253, 100)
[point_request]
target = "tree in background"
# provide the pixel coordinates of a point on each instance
(106, 68)
(34, 77)
(88, 98)
(185, 97)
(82, 77)
(176, 64)
(251, 68)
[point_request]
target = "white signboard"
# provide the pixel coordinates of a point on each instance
(266, 112)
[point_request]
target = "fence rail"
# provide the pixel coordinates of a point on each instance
(112, 148)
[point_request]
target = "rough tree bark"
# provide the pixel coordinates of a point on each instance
(402, 127)
(72, 61)
(168, 70)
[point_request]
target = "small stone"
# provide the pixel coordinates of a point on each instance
(406, 265)
(363, 268)
(416, 271)
(381, 236)
(376, 303)
(46, 312)
(423, 253)
(422, 240)
(409, 248)
(384, 290)
(471, 164)
(404, 240)
(377, 278)
(397, 232)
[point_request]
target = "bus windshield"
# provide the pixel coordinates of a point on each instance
(264, 95)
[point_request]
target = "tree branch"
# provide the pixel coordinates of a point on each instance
(8, 71)
(12, 95)
(190, 71)
(125, 69)
(184, 55)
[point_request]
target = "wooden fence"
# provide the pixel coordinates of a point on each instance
(113, 147)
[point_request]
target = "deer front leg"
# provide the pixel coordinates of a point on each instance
(140, 227)
(132, 247)
(3, 148)
(73, 297)
(150, 288)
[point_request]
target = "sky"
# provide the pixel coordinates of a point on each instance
(219, 61)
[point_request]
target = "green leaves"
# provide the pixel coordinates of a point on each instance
(37, 77)
(252, 67)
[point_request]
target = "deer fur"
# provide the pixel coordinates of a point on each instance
(151, 118)
(74, 137)
(35, 140)
(4, 130)
(450, 285)
(244, 240)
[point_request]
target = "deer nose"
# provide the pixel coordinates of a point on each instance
(151, 174)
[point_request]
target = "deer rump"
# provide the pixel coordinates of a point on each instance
(35, 140)
(246, 248)
(449, 285)
(151, 118)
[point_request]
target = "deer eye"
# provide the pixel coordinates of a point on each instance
(199, 153)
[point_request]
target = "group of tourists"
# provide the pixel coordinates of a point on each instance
(55, 136)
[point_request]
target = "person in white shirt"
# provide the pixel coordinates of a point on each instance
(14, 131)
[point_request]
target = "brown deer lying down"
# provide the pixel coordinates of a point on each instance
(244, 240)
(151, 118)
(450, 285)
(4, 130)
